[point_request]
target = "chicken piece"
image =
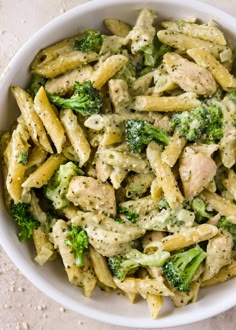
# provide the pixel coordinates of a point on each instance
(196, 170)
(219, 250)
(92, 195)
(188, 75)
(106, 236)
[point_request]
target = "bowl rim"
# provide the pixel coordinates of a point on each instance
(23, 264)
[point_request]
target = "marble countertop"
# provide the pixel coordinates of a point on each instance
(22, 306)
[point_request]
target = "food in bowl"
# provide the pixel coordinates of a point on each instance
(122, 159)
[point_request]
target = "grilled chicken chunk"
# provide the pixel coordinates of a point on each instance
(188, 75)
(196, 170)
(92, 195)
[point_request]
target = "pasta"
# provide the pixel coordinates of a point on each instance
(123, 159)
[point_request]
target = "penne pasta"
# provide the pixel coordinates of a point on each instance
(204, 58)
(173, 150)
(183, 42)
(204, 32)
(186, 101)
(107, 69)
(14, 157)
(117, 27)
(64, 63)
(221, 205)
(44, 172)
(75, 135)
(188, 237)
(164, 175)
(49, 118)
(31, 118)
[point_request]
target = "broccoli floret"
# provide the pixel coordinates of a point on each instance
(199, 209)
(86, 99)
(127, 73)
(90, 42)
(224, 223)
(154, 53)
(204, 122)
(232, 96)
(78, 241)
(121, 266)
(181, 267)
(22, 158)
(57, 187)
(138, 133)
(36, 83)
(23, 217)
(129, 214)
(163, 204)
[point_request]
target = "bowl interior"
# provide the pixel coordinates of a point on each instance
(51, 278)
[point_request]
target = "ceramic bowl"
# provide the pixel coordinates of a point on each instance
(51, 278)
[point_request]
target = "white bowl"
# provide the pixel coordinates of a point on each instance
(51, 278)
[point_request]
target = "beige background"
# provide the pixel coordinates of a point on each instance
(22, 306)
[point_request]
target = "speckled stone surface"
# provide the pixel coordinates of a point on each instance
(22, 306)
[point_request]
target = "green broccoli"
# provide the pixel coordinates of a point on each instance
(129, 214)
(36, 83)
(78, 241)
(57, 187)
(232, 96)
(23, 217)
(121, 266)
(86, 99)
(127, 73)
(22, 158)
(163, 204)
(181, 267)
(199, 208)
(204, 122)
(91, 41)
(138, 133)
(224, 223)
(154, 53)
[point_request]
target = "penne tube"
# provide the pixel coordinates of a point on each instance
(49, 118)
(189, 236)
(44, 172)
(107, 69)
(16, 167)
(183, 42)
(101, 268)
(64, 63)
(220, 204)
(174, 149)
(31, 118)
(155, 303)
(144, 286)
(117, 27)
(124, 160)
(75, 135)
(227, 143)
(37, 156)
(204, 32)
(117, 176)
(164, 175)
(222, 75)
(183, 102)
(50, 53)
